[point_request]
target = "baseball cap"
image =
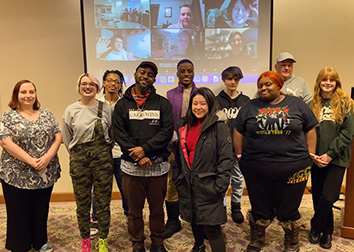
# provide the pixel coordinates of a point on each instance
(148, 64)
(284, 56)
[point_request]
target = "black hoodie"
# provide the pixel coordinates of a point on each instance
(230, 106)
(150, 127)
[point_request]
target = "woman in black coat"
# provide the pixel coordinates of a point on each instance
(202, 173)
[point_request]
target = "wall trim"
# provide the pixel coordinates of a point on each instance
(62, 197)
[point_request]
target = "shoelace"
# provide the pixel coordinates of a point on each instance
(102, 245)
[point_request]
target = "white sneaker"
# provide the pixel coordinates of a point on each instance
(93, 232)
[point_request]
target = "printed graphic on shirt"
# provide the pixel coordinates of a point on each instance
(273, 121)
(291, 92)
(300, 176)
(231, 113)
(327, 114)
(144, 114)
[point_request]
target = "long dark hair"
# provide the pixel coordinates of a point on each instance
(14, 103)
(213, 106)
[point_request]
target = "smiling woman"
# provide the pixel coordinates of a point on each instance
(334, 109)
(29, 167)
(275, 174)
(269, 89)
(203, 133)
(86, 125)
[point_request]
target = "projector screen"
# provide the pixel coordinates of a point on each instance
(213, 34)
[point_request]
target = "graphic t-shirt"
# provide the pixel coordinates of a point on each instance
(335, 139)
(275, 132)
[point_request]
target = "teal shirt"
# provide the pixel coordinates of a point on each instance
(334, 139)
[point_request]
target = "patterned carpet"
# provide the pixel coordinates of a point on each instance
(64, 235)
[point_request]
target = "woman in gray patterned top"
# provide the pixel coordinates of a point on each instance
(30, 137)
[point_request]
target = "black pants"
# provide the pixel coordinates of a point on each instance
(276, 185)
(213, 233)
(27, 215)
(326, 184)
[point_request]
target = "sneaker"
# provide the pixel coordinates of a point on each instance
(326, 241)
(197, 248)
(102, 245)
(85, 245)
(314, 237)
(93, 233)
(46, 248)
(160, 248)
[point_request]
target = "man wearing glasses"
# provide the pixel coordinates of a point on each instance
(112, 91)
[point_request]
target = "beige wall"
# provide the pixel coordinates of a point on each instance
(318, 33)
(41, 41)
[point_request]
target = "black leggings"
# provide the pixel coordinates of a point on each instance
(326, 184)
(276, 185)
(213, 233)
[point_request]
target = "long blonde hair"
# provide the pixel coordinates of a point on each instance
(341, 103)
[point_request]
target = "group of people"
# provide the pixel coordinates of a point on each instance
(156, 148)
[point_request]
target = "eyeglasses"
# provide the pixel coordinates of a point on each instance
(113, 81)
(90, 84)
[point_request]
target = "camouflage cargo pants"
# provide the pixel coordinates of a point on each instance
(91, 164)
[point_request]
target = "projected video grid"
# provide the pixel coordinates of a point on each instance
(214, 34)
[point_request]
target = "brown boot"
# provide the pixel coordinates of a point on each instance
(257, 233)
(291, 237)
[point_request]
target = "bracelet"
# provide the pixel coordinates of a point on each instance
(238, 156)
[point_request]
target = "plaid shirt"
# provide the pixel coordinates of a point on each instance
(133, 169)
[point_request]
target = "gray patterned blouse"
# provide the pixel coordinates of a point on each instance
(35, 137)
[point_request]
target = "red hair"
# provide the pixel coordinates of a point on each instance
(274, 77)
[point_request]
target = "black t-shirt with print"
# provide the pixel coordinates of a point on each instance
(275, 132)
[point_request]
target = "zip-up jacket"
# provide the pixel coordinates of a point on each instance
(207, 179)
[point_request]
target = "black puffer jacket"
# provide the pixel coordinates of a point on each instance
(209, 177)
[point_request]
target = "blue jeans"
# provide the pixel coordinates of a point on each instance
(117, 175)
(236, 183)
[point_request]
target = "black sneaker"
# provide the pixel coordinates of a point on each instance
(139, 250)
(314, 237)
(326, 241)
(159, 248)
(200, 248)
